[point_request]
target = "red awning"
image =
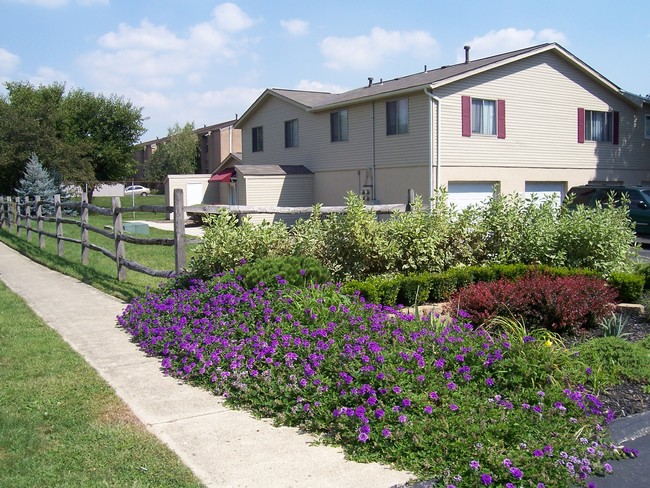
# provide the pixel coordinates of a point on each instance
(223, 176)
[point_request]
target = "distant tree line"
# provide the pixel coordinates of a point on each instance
(78, 136)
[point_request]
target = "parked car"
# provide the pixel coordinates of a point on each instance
(638, 196)
(137, 190)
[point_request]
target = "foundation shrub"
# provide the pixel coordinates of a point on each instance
(365, 289)
(229, 242)
(561, 304)
(414, 289)
(443, 285)
(629, 286)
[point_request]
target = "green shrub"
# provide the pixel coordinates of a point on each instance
(414, 289)
(387, 289)
(229, 242)
(443, 285)
(294, 270)
(629, 286)
(600, 238)
(366, 289)
(644, 269)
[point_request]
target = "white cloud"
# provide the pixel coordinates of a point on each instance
(307, 85)
(202, 108)
(8, 61)
(146, 37)
(510, 39)
(368, 51)
(231, 18)
(295, 27)
(46, 76)
(152, 57)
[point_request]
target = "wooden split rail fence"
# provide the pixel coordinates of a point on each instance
(21, 214)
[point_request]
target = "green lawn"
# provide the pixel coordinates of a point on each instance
(101, 271)
(61, 424)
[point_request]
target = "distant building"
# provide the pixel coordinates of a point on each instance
(216, 143)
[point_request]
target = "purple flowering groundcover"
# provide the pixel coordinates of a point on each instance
(465, 406)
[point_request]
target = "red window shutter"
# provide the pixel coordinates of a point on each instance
(615, 128)
(581, 125)
(466, 104)
(501, 119)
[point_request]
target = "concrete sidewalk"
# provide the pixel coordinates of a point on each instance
(223, 447)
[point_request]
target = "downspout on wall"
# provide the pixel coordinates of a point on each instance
(433, 98)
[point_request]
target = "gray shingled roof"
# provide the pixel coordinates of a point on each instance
(309, 99)
(272, 169)
(420, 79)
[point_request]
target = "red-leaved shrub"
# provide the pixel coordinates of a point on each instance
(562, 304)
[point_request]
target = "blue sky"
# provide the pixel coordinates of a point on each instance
(205, 61)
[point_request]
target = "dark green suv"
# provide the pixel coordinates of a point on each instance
(639, 197)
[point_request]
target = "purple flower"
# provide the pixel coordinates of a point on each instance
(433, 395)
(406, 402)
(608, 468)
(363, 437)
(486, 479)
(402, 418)
(489, 382)
(397, 390)
(474, 464)
(386, 432)
(538, 453)
(453, 407)
(428, 409)
(451, 386)
(516, 473)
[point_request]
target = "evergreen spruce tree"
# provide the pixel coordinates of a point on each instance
(37, 181)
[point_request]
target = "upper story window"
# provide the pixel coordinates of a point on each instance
(598, 126)
(339, 126)
(647, 126)
(397, 116)
(291, 133)
(257, 139)
(484, 117)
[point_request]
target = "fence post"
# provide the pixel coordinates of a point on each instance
(84, 228)
(28, 218)
(39, 221)
(59, 225)
(2, 211)
(11, 211)
(19, 221)
(179, 231)
(119, 243)
(410, 199)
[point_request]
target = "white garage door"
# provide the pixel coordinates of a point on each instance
(466, 193)
(194, 193)
(545, 189)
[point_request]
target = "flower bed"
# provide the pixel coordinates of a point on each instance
(449, 401)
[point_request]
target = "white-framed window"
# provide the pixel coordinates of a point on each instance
(484, 116)
(397, 116)
(257, 139)
(647, 126)
(291, 133)
(598, 126)
(339, 126)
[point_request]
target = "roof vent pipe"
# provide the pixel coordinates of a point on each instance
(466, 54)
(370, 79)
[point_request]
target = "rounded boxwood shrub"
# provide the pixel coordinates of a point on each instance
(295, 270)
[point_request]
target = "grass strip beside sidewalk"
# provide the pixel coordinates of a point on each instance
(61, 424)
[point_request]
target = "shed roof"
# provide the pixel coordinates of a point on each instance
(272, 169)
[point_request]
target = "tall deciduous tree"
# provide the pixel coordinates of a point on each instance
(179, 155)
(84, 137)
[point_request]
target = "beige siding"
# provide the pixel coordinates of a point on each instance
(279, 191)
(542, 97)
